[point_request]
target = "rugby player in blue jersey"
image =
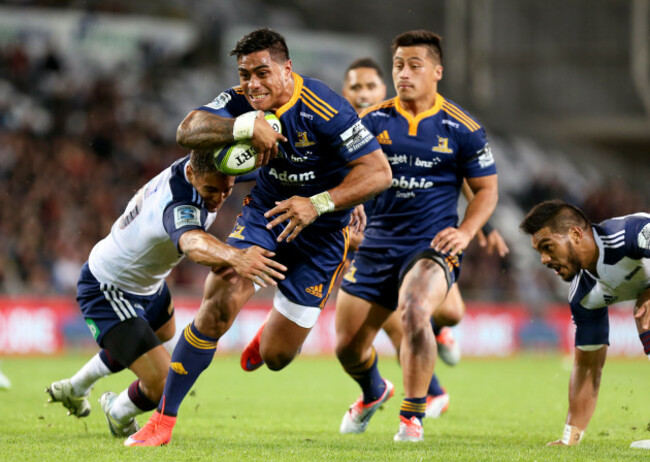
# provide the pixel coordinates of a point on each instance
(326, 162)
(410, 255)
(363, 86)
(122, 291)
(606, 263)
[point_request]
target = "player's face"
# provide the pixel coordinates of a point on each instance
(267, 84)
(214, 188)
(363, 88)
(415, 73)
(558, 252)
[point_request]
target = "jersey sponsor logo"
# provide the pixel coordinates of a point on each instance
(443, 146)
(397, 159)
(426, 163)
(316, 291)
(306, 115)
(356, 137)
(411, 183)
(644, 237)
(178, 368)
(450, 122)
(609, 299)
(485, 158)
(293, 178)
(383, 138)
(303, 142)
(220, 101)
(237, 231)
(94, 330)
(187, 215)
(405, 194)
(349, 275)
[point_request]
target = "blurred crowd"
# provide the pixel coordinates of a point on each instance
(74, 149)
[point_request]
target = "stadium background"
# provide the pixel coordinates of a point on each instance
(91, 93)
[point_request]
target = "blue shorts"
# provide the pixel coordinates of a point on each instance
(104, 306)
(313, 260)
(376, 274)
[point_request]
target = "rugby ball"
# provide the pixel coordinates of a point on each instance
(240, 157)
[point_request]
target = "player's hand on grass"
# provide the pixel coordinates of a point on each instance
(298, 211)
(265, 140)
(255, 263)
(493, 243)
(451, 241)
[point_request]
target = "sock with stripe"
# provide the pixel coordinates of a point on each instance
(130, 403)
(413, 407)
(367, 376)
(192, 355)
(434, 387)
(89, 373)
(645, 340)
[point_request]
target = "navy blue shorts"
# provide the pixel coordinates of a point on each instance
(313, 260)
(104, 306)
(376, 274)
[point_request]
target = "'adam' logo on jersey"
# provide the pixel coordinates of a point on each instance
(443, 146)
(303, 142)
(287, 177)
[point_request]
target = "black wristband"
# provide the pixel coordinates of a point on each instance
(487, 228)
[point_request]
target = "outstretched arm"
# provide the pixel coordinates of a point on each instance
(253, 263)
(583, 393)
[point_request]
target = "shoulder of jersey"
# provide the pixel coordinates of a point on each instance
(460, 115)
(319, 99)
(386, 105)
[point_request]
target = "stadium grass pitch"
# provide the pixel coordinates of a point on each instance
(501, 409)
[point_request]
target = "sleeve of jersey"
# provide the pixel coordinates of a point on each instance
(350, 136)
(229, 104)
(592, 326)
(640, 236)
(476, 157)
(180, 217)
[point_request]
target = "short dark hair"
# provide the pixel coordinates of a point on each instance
(260, 40)
(419, 37)
(202, 161)
(366, 62)
(558, 215)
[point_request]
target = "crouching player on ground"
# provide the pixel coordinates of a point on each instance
(122, 291)
(605, 263)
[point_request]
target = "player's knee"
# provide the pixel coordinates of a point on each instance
(166, 332)
(277, 361)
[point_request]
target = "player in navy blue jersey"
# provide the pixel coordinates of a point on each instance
(410, 254)
(323, 164)
(606, 263)
(122, 291)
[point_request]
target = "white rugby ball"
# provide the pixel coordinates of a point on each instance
(240, 157)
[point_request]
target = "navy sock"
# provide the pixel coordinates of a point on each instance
(110, 362)
(434, 387)
(192, 355)
(413, 407)
(367, 376)
(436, 329)
(138, 398)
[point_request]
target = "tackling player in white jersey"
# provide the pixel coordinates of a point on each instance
(606, 263)
(122, 291)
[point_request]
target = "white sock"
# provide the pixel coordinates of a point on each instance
(123, 409)
(86, 377)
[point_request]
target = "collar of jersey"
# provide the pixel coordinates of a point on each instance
(414, 121)
(297, 88)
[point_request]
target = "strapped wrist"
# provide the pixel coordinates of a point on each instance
(572, 435)
(243, 127)
(322, 202)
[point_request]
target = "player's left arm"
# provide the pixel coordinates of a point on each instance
(486, 194)
(583, 393)
(488, 237)
(368, 176)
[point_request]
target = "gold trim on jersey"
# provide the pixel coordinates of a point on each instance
(297, 88)
(414, 121)
(238, 89)
(316, 104)
(346, 238)
(459, 115)
(374, 107)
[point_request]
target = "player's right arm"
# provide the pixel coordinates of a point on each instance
(253, 263)
(206, 130)
(583, 393)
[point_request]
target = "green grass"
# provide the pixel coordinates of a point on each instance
(500, 410)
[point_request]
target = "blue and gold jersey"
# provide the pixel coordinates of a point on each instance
(429, 155)
(324, 134)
